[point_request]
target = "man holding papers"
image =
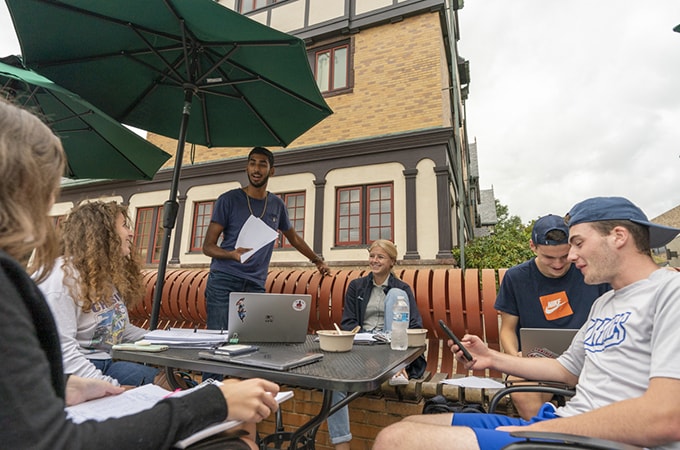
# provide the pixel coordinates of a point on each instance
(248, 219)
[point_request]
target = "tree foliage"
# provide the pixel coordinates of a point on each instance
(507, 246)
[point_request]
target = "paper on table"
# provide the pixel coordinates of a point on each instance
(186, 338)
(364, 337)
(474, 382)
(254, 234)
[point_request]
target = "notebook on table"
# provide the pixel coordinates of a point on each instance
(280, 358)
(260, 317)
(546, 342)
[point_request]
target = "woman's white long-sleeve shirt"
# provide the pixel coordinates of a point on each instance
(86, 335)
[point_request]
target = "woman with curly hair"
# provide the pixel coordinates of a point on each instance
(89, 290)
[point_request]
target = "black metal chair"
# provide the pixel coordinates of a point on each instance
(537, 440)
(559, 390)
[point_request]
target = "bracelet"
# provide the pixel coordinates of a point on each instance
(316, 260)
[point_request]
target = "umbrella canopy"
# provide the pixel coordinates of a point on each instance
(135, 59)
(154, 63)
(96, 146)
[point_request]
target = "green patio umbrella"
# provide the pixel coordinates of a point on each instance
(154, 63)
(96, 145)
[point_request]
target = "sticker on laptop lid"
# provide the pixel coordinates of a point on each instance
(299, 304)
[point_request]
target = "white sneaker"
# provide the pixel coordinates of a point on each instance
(398, 380)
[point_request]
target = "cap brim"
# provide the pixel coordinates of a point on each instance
(659, 235)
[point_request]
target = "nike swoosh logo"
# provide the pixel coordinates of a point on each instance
(552, 308)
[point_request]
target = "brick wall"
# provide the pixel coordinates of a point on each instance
(398, 87)
(368, 415)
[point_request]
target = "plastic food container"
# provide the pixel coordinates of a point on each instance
(416, 337)
(331, 341)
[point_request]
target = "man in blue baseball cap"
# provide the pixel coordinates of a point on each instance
(625, 357)
(546, 291)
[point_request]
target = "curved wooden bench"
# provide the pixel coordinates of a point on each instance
(462, 298)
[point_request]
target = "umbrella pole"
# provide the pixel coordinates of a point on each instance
(170, 208)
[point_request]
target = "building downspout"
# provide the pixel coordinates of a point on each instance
(455, 102)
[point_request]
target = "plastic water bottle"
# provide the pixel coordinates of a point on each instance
(400, 320)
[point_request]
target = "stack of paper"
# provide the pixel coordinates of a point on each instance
(142, 398)
(186, 338)
(365, 338)
(474, 382)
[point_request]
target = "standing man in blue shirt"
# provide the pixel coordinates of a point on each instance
(546, 291)
(232, 209)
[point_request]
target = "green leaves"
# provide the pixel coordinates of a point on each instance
(507, 246)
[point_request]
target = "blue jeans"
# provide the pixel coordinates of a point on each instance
(127, 373)
(338, 423)
(217, 290)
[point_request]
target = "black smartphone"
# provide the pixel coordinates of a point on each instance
(447, 330)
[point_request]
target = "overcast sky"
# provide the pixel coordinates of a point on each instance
(568, 100)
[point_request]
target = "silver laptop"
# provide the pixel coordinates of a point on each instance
(546, 342)
(281, 358)
(258, 317)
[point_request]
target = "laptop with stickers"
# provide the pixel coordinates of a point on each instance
(546, 342)
(260, 317)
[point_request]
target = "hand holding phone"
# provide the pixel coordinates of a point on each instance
(447, 330)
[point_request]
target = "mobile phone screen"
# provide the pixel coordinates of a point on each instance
(447, 330)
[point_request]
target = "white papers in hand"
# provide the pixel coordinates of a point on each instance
(474, 382)
(129, 402)
(222, 426)
(254, 235)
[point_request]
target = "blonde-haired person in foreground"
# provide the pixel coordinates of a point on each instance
(33, 385)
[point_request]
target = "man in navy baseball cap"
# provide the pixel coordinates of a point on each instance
(623, 360)
(541, 232)
(600, 209)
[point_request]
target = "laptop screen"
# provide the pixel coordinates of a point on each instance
(546, 342)
(260, 317)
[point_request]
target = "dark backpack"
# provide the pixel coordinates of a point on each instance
(439, 404)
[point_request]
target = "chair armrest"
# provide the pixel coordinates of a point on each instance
(550, 389)
(569, 440)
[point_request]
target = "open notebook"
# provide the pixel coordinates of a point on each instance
(142, 398)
